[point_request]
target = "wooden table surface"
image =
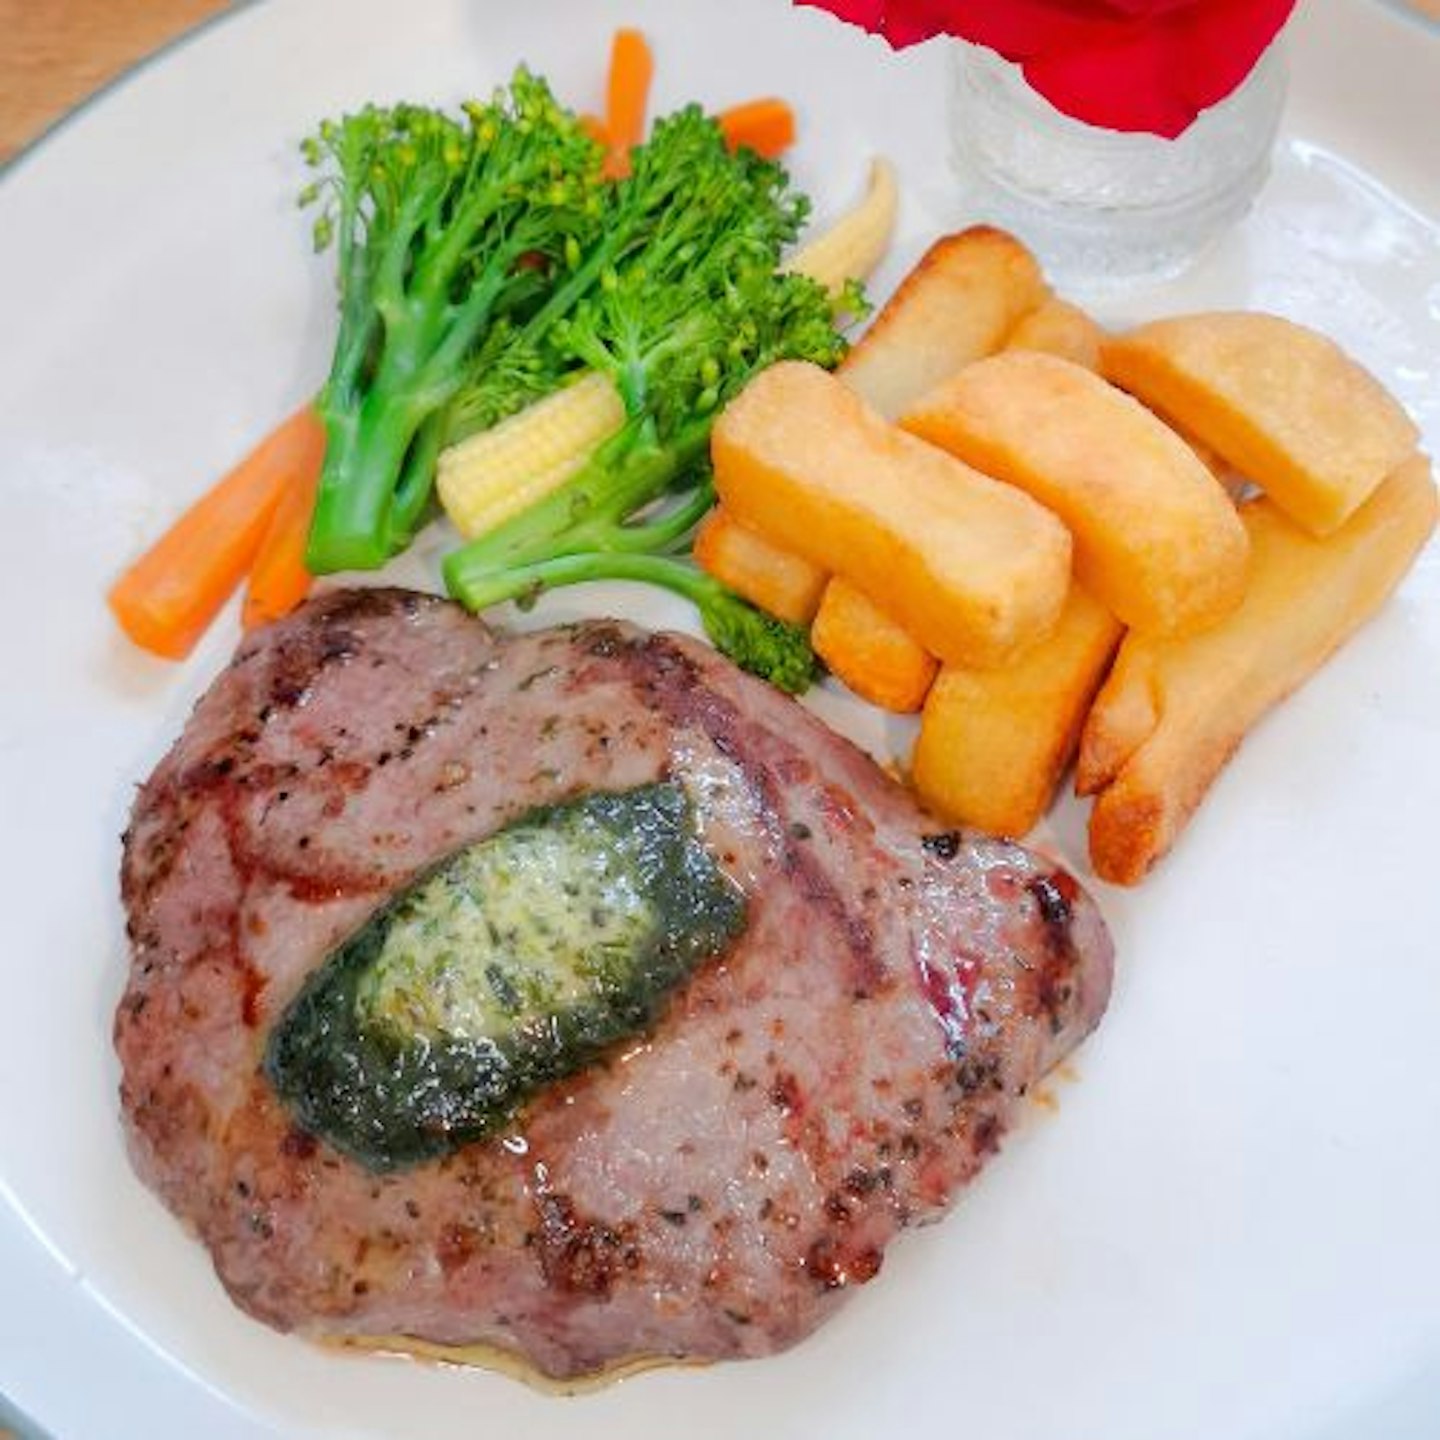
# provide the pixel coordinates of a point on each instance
(56, 52)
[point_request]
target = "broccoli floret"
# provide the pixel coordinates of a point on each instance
(757, 642)
(773, 649)
(483, 264)
(442, 228)
(681, 242)
(679, 323)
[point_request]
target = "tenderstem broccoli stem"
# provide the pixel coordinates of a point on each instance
(757, 642)
(627, 472)
(351, 527)
(361, 517)
(666, 531)
(412, 495)
(477, 590)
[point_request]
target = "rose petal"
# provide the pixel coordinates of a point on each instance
(1119, 64)
(908, 22)
(1131, 9)
(1154, 70)
(1018, 29)
(1123, 83)
(867, 13)
(1223, 42)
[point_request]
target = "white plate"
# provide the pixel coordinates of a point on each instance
(1228, 1228)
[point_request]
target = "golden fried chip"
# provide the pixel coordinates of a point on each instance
(957, 304)
(1173, 711)
(973, 569)
(994, 743)
(1057, 327)
(1156, 539)
(1282, 403)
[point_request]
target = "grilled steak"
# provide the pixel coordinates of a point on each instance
(712, 1188)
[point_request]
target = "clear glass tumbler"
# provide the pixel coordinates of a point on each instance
(1104, 208)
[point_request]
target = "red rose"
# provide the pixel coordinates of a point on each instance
(1121, 64)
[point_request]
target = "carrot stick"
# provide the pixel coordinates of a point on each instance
(627, 94)
(170, 594)
(594, 127)
(766, 125)
(279, 579)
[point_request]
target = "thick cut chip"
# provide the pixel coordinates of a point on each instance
(959, 302)
(1059, 328)
(1173, 711)
(779, 582)
(1156, 538)
(872, 654)
(1284, 405)
(974, 569)
(994, 743)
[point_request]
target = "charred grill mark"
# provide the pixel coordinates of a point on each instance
(149, 848)
(578, 1256)
(786, 1095)
(828, 1264)
(301, 654)
(603, 639)
(1055, 895)
(675, 685)
(985, 1134)
(1053, 992)
(455, 1245)
(308, 878)
(868, 973)
(298, 1144)
(358, 604)
(545, 672)
(978, 1072)
(860, 1183)
(217, 946)
(1054, 980)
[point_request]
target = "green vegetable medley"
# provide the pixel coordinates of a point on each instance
(483, 263)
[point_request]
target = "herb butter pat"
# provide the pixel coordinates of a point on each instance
(511, 964)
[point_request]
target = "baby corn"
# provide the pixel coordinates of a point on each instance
(853, 246)
(493, 475)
